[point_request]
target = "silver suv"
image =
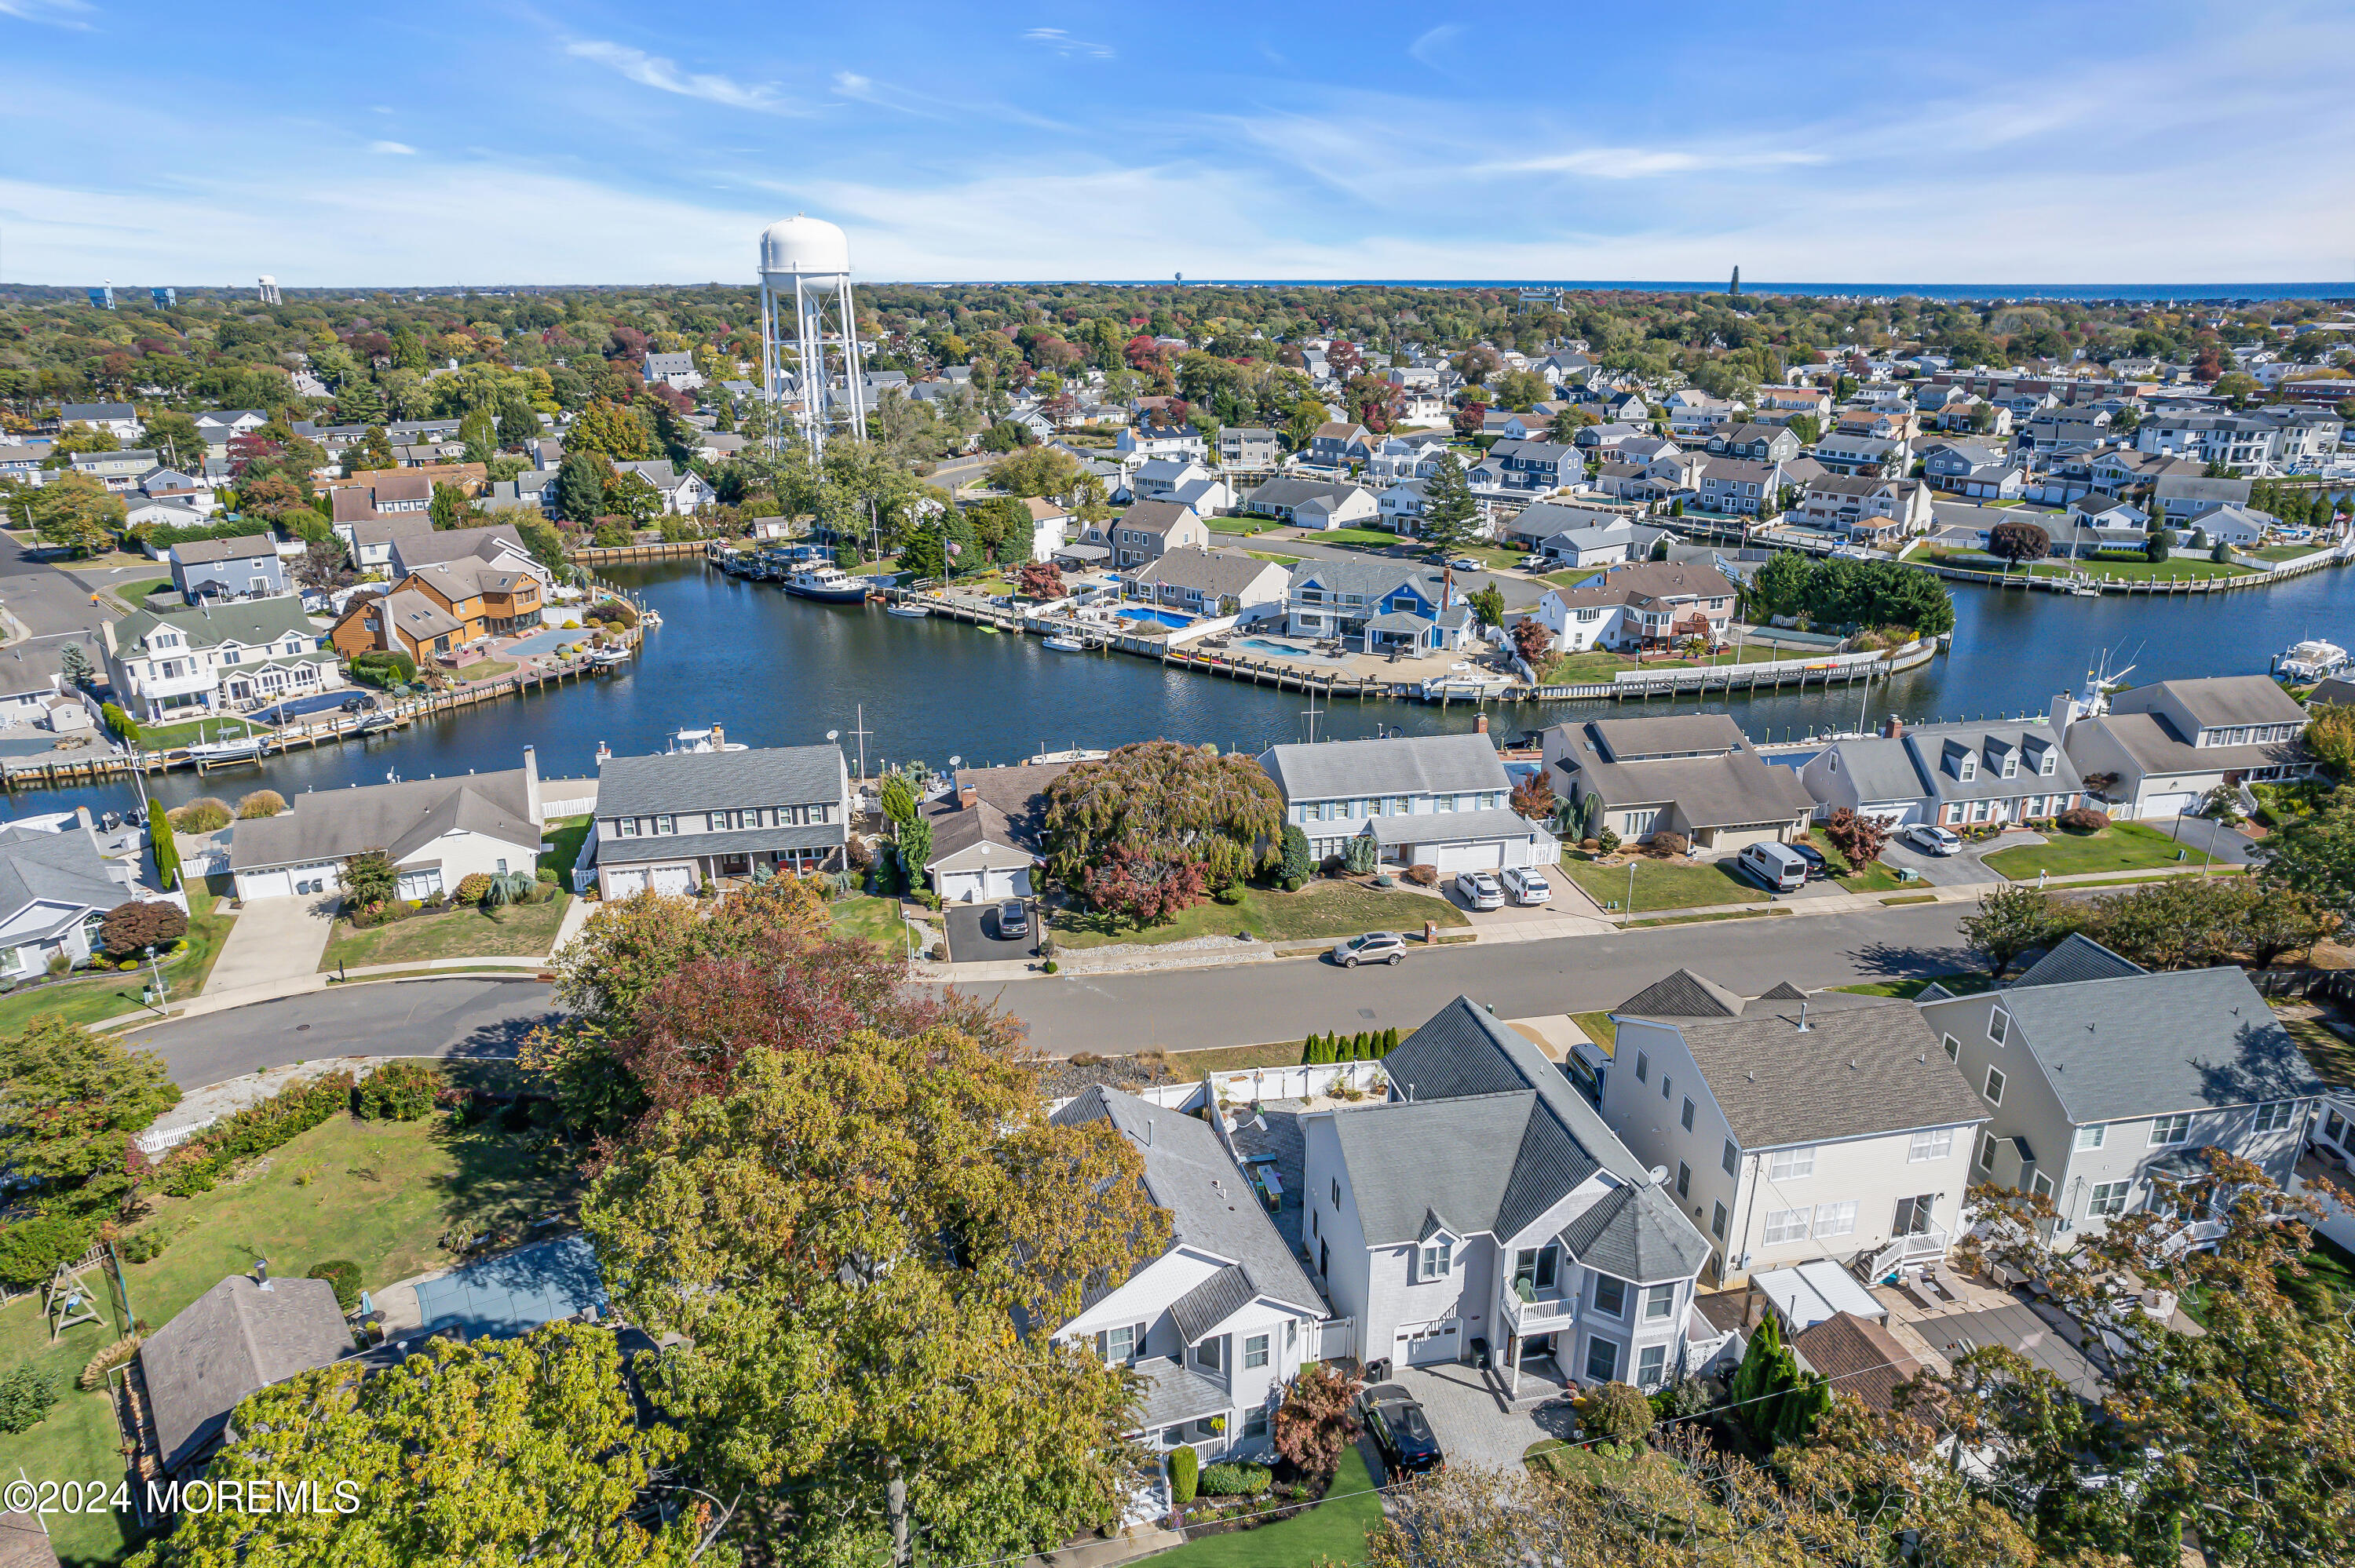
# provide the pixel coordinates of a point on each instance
(1480, 889)
(1526, 884)
(1373, 948)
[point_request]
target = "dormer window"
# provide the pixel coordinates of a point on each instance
(2050, 764)
(1966, 767)
(2010, 764)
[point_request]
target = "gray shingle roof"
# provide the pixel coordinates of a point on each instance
(1863, 1066)
(1210, 571)
(1637, 1233)
(1188, 1173)
(617, 850)
(64, 869)
(1455, 827)
(247, 623)
(714, 780)
(2076, 958)
(1682, 994)
(1176, 1393)
(1404, 765)
(1211, 1303)
(2154, 1045)
(244, 548)
(235, 1340)
(2219, 700)
(401, 818)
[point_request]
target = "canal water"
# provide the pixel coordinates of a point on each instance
(778, 671)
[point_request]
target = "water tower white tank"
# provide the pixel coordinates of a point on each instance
(804, 261)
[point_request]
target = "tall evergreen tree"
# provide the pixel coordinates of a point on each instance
(1450, 515)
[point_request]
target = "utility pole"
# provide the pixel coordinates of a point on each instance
(862, 732)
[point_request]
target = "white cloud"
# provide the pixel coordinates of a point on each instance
(1643, 163)
(56, 13)
(654, 71)
(400, 149)
(1426, 50)
(1063, 43)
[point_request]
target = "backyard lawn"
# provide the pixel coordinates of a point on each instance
(1270, 555)
(1573, 577)
(514, 931)
(2283, 552)
(1568, 668)
(1323, 908)
(2121, 846)
(1660, 883)
(227, 727)
(381, 1194)
(877, 919)
(566, 834)
(1332, 1532)
(103, 996)
(1873, 878)
(483, 669)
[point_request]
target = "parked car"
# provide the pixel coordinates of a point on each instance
(1818, 866)
(1534, 563)
(1466, 563)
(1401, 1431)
(1932, 839)
(1526, 884)
(1373, 948)
(1480, 889)
(1012, 921)
(1775, 867)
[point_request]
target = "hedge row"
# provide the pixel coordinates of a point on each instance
(399, 1091)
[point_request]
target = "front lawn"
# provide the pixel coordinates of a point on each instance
(1270, 555)
(877, 919)
(2270, 553)
(511, 931)
(1598, 1027)
(381, 1194)
(2121, 846)
(1573, 577)
(1239, 524)
(113, 994)
(1661, 883)
(1323, 908)
(1961, 985)
(1334, 1531)
(1599, 664)
(1356, 538)
(1873, 878)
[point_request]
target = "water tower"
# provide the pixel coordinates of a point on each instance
(269, 288)
(805, 262)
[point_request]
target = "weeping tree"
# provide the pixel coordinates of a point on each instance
(1174, 803)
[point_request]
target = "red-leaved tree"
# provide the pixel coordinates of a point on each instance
(1317, 1418)
(1040, 579)
(1531, 640)
(1533, 798)
(1858, 838)
(1144, 887)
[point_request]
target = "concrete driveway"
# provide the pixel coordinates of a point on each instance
(1959, 870)
(274, 941)
(974, 938)
(1472, 1430)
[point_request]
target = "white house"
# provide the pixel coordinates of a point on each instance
(1184, 481)
(682, 492)
(1793, 1126)
(1486, 1207)
(1949, 774)
(1219, 1323)
(177, 663)
(1441, 800)
(438, 832)
(1648, 604)
(55, 890)
(670, 824)
(2161, 748)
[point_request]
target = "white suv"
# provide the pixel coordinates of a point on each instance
(1526, 884)
(1479, 889)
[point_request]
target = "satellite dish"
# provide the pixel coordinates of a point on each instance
(1659, 1174)
(832, 733)
(957, 761)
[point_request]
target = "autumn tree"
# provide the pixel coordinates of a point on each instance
(2019, 542)
(142, 923)
(2330, 736)
(1533, 796)
(75, 512)
(1317, 1418)
(1167, 800)
(847, 1244)
(69, 1101)
(501, 1451)
(1859, 837)
(2014, 920)
(1040, 580)
(1036, 470)
(1142, 887)
(1531, 641)
(2315, 856)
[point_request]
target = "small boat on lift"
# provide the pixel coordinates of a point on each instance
(907, 611)
(1062, 644)
(607, 658)
(243, 748)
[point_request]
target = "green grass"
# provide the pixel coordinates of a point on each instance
(2121, 846)
(482, 670)
(1607, 1463)
(877, 919)
(2322, 1293)
(1192, 1065)
(1911, 988)
(1573, 577)
(112, 995)
(1567, 669)
(136, 594)
(2175, 568)
(1873, 878)
(1333, 1532)
(1913, 898)
(1270, 555)
(567, 834)
(2331, 1054)
(1703, 919)
(1322, 909)
(514, 931)
(2276, 552)
(421, 1176)
(1356, 538)
(1239, 524)
(1661, 883)
(164, 737)
(1597, 1027)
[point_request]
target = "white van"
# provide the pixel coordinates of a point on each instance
(1775, 867)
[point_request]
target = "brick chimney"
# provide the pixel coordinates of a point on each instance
(1893, 728)
(531, 787)
(967, 797)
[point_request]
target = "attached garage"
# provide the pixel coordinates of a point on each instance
(983, 885)
(1422, 1344)
(1486, 855)
(2168, 803)
(674, 879)
(288, 880)
(626, 883)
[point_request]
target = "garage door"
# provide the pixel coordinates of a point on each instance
(625, 883)
(674, 879)
(265, 884)
(2167, 805)
(1422, 1344)
(1452, 858)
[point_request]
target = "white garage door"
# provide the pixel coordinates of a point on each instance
(2167, 805)
(1452, 858)
(625, 883)
(674, 879)
(265, 884)
(1420, 1344)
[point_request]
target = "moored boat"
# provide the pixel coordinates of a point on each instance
(1062, 644)
(907, 611)
(826, 583)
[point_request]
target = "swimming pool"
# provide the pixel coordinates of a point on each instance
(1169, 618)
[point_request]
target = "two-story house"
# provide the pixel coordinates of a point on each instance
(1248, 446)
(117, 471)
(1644, 605)
(678, 369)
(1869, 511)
(671, 823)
(1314, 503)
(1754, 442)
(1614, 543)
(1185, 482)
(2103, 1085)
(1695, 775)
(174, 665)
(1486, 1211)
(497, 544)
(1218, 1325)
(2166, 747)
(1441, 800)
(1794, 1128)
(1948, 774)
(1870, 455)
(1337, 444)
(1736, 487)
(214, 569)
(682, 492)
(1537, 465)
(1147, 531)
(1209, 582)
(56, 890)
(120, 420)
(1152, 435)
(1384, 604)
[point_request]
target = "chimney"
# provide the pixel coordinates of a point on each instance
(967, 797)
(531, 786)
(1894, 728)
(2063, 709)
(262, 1273)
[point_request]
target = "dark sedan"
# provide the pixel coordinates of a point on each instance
(1818, 866)
(1401, 1431)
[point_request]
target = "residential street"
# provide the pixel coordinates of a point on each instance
(51, 609)
(472, 1017)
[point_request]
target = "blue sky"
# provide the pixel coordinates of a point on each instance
(532, 141)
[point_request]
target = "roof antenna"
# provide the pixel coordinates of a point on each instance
(1803, 1014)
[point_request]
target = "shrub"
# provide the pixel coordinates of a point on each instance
(940, 952)
(260, 803)
(1607, 843)
(93, 1373)
(1667, 845)
(1185, 1472)
(144, 1246)
(31, 1249)
(197, 1164)
(1231, 894)
(344, 1276)
(401, 1091)
(139, 924)
(473, 885)
(545, 874)
(1235, 1480)
(1051, 967)
(1423, 875)
(1615, 1411)
(204, 814)
(26, 1396)
(2083, 820)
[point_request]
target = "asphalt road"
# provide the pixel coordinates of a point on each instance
(1172, 1008)
(409, 1018)
(53, 609)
